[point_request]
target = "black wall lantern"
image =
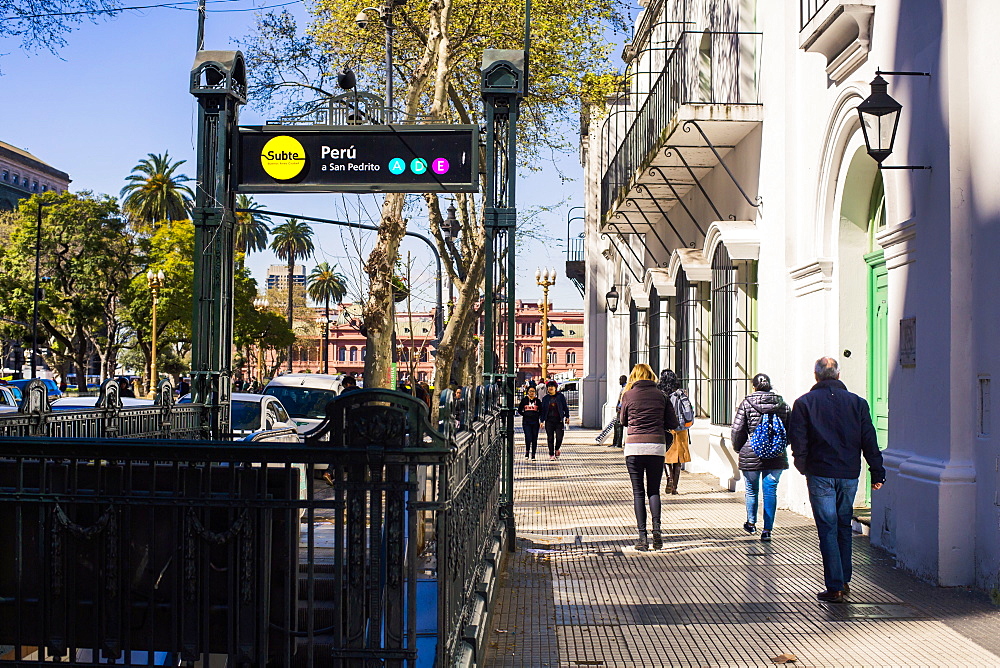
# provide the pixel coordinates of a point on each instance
(880, 118)
(612, 299)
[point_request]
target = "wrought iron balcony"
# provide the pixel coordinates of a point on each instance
(706, 77)
(808, 9)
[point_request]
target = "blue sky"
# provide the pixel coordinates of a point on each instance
(119, 91)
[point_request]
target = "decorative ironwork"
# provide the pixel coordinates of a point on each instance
(699, 68)
(215, 547)
(691, 339)
(734, 292)
(808, 9)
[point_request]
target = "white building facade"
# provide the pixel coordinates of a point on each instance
(733, 208)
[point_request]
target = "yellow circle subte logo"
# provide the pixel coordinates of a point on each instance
(283, 157)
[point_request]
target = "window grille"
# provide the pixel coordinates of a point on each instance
(734, 291)
(654, 331)
(638, 338)
(690, 340)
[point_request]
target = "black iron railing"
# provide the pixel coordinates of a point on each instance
(239, 553)
(808, 9)
(575, 249)
(107, 418)
(700, 68)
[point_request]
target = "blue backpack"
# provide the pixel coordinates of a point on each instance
(768, 438)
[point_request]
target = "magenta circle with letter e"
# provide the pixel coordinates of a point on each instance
(440, 166)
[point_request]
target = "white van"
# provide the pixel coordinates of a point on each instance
(305, 396)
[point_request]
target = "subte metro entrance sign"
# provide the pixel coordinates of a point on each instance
(379, 158)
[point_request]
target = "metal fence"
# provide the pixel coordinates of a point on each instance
(808, 9)
(237, 553)
(700, 68)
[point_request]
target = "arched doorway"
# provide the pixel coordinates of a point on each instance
(863, 293)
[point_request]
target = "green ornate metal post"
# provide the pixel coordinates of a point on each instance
(218, 81)
(503, 88)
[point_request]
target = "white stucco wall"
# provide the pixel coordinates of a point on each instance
(940, 510)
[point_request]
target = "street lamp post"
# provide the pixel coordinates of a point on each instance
(261, 304)
(155, 281)
(545, 278)
(384, 12)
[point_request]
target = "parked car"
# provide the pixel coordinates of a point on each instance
(50, 385)
(254, 412)
(82, 403)
(10, 396)
(305, 396)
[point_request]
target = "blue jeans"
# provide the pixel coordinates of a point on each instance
(832, 501)
(753, 484)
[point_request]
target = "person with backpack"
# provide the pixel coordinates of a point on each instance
(760, 437)
(679, 452)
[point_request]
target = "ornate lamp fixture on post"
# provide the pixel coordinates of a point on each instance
(545, 278)
(155, 280)
(261, 304)
(880, 119)
(384, 12)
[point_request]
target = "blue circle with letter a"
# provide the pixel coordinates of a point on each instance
(418, 165)
(397, 166)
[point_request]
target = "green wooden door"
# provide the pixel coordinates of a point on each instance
(878, 352)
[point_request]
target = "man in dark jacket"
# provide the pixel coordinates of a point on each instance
(828, 430)
(554, 412)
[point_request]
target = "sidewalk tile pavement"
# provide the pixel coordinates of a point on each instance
(576, 593)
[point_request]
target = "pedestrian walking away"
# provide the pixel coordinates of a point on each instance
(679, 452)
(649, 417)
(555, 412)
(829, 429)
(614, 425)
(530, 409)
(762, 447)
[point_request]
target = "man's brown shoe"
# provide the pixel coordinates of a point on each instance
(831, 596)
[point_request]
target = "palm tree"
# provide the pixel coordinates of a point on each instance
(251, 229)
(154, 193)
(292, 240)
(326, 285)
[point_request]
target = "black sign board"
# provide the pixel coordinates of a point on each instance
(375, 158)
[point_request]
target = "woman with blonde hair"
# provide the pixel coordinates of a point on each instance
(649, 417)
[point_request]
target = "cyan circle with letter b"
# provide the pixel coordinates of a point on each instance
(418, 165)
(397, 166)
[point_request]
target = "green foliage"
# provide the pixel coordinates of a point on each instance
(292, 240)
(326, 284)
(42, 23)
(85, 255)
(154, 193)
(251, 229)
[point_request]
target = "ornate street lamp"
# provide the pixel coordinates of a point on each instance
(879, 115)
(384, 12)
(155, 280)
(545, 278)
(261, 304)
(611, 299)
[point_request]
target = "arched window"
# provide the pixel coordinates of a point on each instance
(341, 354)
(527, 356)
(553, 357)
(690, 338)
(423, 354)
(354, 354)
(364, 350)
(570, 357)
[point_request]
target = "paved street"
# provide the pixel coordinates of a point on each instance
(577, 594)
